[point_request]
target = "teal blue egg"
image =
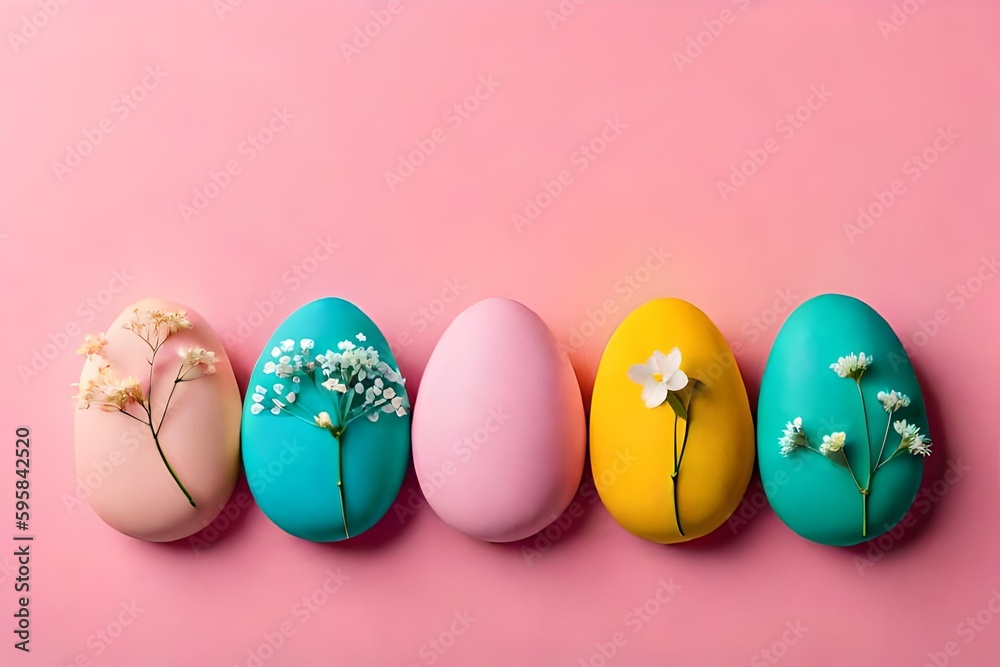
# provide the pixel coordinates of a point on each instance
(814, 495)
(293, 464)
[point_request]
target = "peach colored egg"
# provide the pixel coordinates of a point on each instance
(119, 469)
(499, 435)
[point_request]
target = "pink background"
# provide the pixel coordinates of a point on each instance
(446, 230)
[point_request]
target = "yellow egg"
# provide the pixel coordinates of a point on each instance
(660, 486)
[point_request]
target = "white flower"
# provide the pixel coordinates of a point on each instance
(195, 356)
(893, 400)
(306, 344)
(904, 429)
(92, 344)
(323, 420)
(287, 345)
(275, 352)
(345, 345)
(921, 446)
(269, 368)
(333, 384)
(912, 439)
(660, 375)
(852, 366)
(361, 337)
(833, 443)
(793, 437)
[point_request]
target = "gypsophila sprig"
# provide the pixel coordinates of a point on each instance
(106, 391)
(852, 365)
(833, 448)
(833, 443)
(663, 382)
(792, 437)
(911, 440)
(352, 382)
(893, 400)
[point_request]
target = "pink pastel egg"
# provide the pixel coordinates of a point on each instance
(499, 434)
(119, 470)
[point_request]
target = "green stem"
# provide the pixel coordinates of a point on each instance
(338, 438)
(885, 436)
(864, 513)
(677, 509)
(170, 468)
(871, 469)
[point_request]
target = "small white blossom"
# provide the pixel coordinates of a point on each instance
(345, 345)
(287, 345)
(306, 344)
(361, 337)
(912, 439)
(792, 437)
(893, 400)
(660, 375)
(323, 420)
(333, 384)
(833, 443)
(852, 365)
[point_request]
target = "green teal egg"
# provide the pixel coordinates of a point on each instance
(816, 498)
(292, 465)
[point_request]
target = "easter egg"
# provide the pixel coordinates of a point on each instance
(841, 424)
(671, 434)
(326, 424)
(157, 435)
(499, 433)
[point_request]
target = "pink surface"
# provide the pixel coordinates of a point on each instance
(499, 436)
(633, 142)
